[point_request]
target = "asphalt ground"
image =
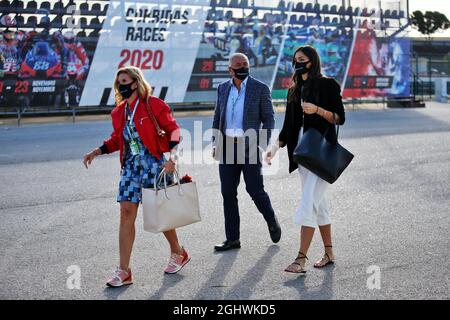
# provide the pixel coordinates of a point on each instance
(390, 212)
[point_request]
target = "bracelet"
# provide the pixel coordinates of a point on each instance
(173, 157)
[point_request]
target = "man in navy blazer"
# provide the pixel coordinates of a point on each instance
(243, 120)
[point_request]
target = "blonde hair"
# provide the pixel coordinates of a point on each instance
(144, 89)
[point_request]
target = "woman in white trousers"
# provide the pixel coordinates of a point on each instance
(314, 101)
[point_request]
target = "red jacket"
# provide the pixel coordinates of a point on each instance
(144, 126)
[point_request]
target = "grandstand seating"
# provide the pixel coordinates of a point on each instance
(91, 13)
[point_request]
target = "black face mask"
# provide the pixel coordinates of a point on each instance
(125, 90)
(241, 73)
(300, 67)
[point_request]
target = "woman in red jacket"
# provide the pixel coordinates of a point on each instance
(142, 157)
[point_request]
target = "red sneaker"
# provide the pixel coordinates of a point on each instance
(177, 262)
(120, 278)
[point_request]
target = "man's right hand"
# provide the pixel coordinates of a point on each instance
(88, 157)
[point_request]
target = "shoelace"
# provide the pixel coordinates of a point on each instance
(173, 260)
(116, 275)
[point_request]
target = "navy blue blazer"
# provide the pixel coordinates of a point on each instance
(258, 108)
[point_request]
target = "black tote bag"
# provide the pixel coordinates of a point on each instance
(327, 159)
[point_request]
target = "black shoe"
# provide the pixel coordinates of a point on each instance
(228, 245)
(275, 231)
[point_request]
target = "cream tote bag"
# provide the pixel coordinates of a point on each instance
(170, 208)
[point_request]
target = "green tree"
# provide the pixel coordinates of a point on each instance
(430, 22)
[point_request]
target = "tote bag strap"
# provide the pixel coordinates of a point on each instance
(163, 175)
(153, 118)
(335, 125)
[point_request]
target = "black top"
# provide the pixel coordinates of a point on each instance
(323, 92)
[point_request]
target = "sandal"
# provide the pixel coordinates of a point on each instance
(326, 260)
(296, 266)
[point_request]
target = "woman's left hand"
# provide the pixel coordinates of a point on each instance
(309, 108)
(169, 166)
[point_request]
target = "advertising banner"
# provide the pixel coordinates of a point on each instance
(161, 38)
(183, 48)
(42, 66)
(378, 66)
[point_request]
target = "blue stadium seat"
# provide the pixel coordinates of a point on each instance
(84, 8)
(95, 23)
(31, 5)
(317, 19)
(279, 18)
(17, 4)
(213, 3)
(316, 8)
(20, 21)
(281, 5)
(243, 4)
(349, 10)
(229, 15)
(293, 19)
(234, 4)
(81, 34)
(342, 10)
(96, 7)
(325, 8)
(45, 5)
(31, 22)
(223, 3)
(105, 9)
(299, 7)
(57, 22)
(4, 4)
(387, 14)
(94, 33)
(219, 15)
(326, 21)
(335, 21)
(394, 14)
(58, 6)
(302, 20)
(309, 7)
(83, 23)
(333, 9)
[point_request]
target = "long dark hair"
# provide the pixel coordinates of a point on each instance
(314, 73)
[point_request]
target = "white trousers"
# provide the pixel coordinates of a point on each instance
(314, 208)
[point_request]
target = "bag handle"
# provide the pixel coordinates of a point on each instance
(163, 175)
(335, 125)
(160, 132)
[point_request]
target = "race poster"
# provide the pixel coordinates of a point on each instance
(50, 59)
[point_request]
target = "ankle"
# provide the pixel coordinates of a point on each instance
(123, 268)
(177, 250)
(302, 256)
